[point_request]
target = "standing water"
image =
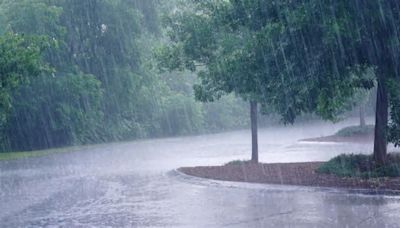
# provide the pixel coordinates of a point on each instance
(133, 184)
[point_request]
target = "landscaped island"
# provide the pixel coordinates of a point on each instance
(344, 171)
(304, 174)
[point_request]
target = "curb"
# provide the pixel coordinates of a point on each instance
(176, 173)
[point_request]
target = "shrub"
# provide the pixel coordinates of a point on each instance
(359, 165)
(237, 162)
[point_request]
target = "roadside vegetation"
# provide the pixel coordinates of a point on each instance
(85, 75)
(238, 162)
(30, 154)
(363, 166)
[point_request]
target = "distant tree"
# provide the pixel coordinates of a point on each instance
(55, 111)
(364, 100)
(102, 86)
(92, 38)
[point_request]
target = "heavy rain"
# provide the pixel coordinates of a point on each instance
(188, 113)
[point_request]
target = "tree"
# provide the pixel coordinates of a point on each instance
(332, 43)
(96, 41)
(355, 36)
(62, 106)
(54, 111)
(364, 99)
(202, 44)
(20, 59)
(20, 62)
(294, 56)
(250, 57)
(101, 86)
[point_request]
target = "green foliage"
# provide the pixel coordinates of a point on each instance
(356, 131)
(237, 162)
(394, 125)
(101, 86)
(264, 59)
(34, 17)
(181, 115)
(55, 111)
(150, 15)
(19, 60)
(293, 56)
(361, 166)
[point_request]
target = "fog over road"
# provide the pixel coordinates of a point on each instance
(131, 184)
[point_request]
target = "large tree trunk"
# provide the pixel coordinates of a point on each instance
(381, 122)
(362, 115)
(254, 135)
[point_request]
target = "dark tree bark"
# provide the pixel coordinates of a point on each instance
(381, 122)
(362, 116)
(254, 133)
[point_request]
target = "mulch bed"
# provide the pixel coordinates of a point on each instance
(288, 174)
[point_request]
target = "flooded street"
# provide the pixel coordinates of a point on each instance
(133, 184)
(137, 86)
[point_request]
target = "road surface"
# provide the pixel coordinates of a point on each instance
(132, 184)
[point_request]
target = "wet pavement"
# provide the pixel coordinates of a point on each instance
(133, 184)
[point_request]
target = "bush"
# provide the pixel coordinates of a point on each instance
(361, 166)
(53, 112)
(237, 162)
(356, 130)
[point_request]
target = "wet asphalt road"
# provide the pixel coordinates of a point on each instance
(133, 184)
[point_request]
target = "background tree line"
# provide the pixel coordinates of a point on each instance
(79, 72)
(89, 77)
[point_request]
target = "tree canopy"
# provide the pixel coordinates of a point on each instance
(291, 56)
(19, 60)
(91, 75)
(86, 68)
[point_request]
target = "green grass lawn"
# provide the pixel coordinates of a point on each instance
(38, 153)
(18, 155)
